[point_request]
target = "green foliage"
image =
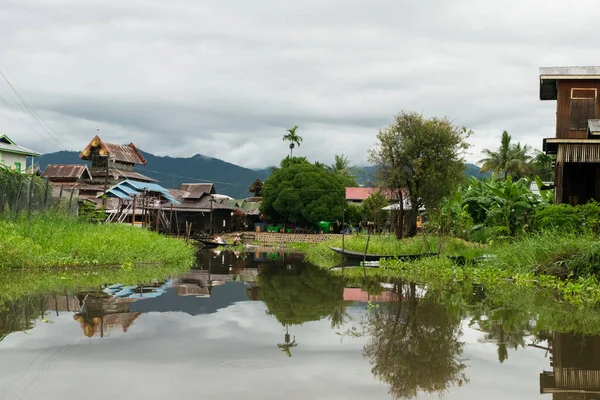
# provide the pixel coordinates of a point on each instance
(353, 214)
(52, 240)
(293, 138)
(300, 293)
(302, 193)
(320, 254)
(422, 156)
(567, 218)
(89, 213)
(21, 192)
(372, 210)
(510, 159)
(341, 168)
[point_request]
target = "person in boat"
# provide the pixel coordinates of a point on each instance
(237, 240)
(218, 240)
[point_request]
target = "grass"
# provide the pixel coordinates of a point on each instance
(54, 240)
(320, 254)
(19, 284)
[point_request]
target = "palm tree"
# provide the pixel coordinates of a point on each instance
(542, 163)
(341, 167)
(293, 139)
(287, 346)
(509, 159)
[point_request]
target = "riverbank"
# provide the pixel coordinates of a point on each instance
(54, 240)
(566, 264)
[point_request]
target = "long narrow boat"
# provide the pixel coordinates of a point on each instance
(209, 244)
(358, 256)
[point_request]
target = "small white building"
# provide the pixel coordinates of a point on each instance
(14, 156)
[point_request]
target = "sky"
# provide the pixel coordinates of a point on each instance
(226, 79)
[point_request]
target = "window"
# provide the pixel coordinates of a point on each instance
(583, 107)
(17, 166)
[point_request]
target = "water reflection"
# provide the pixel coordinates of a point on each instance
(414, 343)
(412, 339)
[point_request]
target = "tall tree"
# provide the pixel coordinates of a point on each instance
(509, 159)
(423, 157)
(302, 193)
(341, 167)
(372, 210)
(293, 138)
(542, 163)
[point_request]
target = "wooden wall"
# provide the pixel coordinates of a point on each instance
(564, 108)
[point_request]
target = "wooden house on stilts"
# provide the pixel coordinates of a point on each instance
(577, 140)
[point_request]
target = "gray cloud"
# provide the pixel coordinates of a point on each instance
(225, 79)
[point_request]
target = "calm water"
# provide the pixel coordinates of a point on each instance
(267, 326)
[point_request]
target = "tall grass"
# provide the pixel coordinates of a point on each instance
(54, 240)
(320, 254)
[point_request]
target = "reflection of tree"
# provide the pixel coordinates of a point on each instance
(301, 293)
(288, 345)
(414, 345)
(507, 328)
(19, 315)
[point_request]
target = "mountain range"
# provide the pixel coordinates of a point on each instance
(229, 179)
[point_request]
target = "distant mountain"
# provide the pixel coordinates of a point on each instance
(366, 175)
(229, 179)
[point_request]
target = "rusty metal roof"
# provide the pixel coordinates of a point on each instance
(67, 171)
(118, 152)
(133, 175)
(197, 190)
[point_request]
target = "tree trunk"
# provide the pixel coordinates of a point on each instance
(400, 218)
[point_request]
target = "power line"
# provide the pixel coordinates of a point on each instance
(29, 110)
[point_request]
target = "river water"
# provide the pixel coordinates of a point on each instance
(268, 326)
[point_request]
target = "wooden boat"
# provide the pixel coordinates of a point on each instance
(209, 244)
(358, 256)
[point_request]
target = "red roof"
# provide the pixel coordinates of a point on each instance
(357, 294)
(362, 193)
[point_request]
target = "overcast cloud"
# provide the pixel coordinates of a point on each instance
(227, 78)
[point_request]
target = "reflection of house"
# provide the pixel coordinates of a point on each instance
(14, 156)
(357, 294)
(577, 140)
(575, 361)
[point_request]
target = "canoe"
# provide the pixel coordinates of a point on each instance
(209, 244)
(358, 256)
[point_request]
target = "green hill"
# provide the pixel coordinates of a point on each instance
(229, 179)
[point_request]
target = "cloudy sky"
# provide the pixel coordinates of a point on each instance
(227, 78)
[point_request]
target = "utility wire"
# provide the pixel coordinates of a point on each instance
(30, 111)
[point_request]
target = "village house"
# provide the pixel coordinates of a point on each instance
(357, 195)
(576, 144)
(14, 156)
(72, 176)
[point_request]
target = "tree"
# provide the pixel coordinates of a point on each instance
(372, 210)
(302, 193)
(542, 164)
(509, 159)
(341, 167)
(423, 157)
(414, 344)
(293, 138)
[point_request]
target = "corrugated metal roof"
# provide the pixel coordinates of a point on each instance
(135, 176)
(197, 190)
(13, 148)
(573, 71)
(118, 193)
(130, 188)
(66, 171)
(550, 75)
(126, 154)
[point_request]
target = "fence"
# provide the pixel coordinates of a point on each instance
(20, 193)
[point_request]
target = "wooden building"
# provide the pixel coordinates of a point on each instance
(577, 140)
(113, 163)
(575, 361)
(72, 176)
